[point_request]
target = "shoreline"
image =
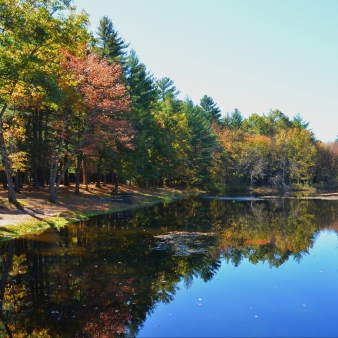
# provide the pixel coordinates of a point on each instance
(33, 213)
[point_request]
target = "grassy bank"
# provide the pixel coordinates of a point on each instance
(34, 213)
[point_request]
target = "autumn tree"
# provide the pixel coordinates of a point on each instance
(295, 155)
(326, 163)
(32, 33)
(254, 159)
(101, 114)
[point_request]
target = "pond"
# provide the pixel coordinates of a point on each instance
(200, 267)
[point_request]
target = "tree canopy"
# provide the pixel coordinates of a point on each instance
(76, 104)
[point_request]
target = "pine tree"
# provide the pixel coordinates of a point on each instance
(211, 111)
(140, 163)
(166, 87)
(203, 142)
(109, 44)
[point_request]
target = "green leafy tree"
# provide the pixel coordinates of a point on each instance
(32, 35)
(277, 121)
(255, 124)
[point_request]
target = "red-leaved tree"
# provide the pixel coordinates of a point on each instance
(94, 113)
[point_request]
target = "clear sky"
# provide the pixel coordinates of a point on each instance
(254, 55)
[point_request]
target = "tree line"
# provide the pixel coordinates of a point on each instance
(81, 106)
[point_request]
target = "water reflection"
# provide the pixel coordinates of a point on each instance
(103, 277)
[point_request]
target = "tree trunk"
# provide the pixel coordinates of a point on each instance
(105, 177)
(44, 154)
(41, 181)
(35, 147)
(116, 189)
(77, 175)
(8, 167)
(54, 183)
(98, 172)
(85, 174)
(66, 177)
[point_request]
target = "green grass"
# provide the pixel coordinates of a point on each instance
(36, 227)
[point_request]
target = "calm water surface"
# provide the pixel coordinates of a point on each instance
(198, 267)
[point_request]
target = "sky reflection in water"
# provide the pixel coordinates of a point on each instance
(296, 299)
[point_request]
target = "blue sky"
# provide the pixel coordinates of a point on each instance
(254, 55)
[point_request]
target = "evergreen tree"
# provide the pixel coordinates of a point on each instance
(166, 87)
(211, 111)
(233, 121)
(203, 143)
(140, 83)
(299, 122)
(109, 44)
(140, 163)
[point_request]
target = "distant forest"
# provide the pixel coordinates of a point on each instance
(81, 108)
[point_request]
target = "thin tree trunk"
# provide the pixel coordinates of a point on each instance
(44, 153)
(98, 172)
(105, 177)
(35, 146)
(40, 149)
(66, 177)
(8, 167)
(116, 189)
(55, 184)
(85, 174)
(78, 173)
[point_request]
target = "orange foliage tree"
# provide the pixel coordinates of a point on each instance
(95, 121)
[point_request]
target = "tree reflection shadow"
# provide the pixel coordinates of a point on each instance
(103, 277)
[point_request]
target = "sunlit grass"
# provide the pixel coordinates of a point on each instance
(36, 226)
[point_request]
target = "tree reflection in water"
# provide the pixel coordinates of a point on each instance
(103, 277)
